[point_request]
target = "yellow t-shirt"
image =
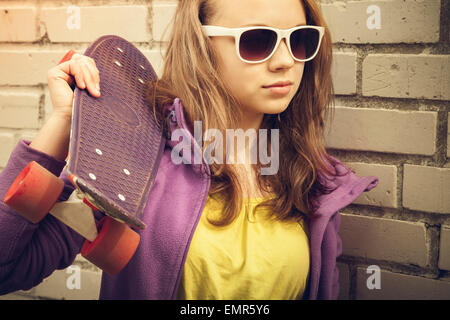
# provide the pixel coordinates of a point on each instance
(253, 258)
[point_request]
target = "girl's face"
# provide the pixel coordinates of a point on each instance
(247, 81)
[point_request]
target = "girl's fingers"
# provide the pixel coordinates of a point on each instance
(94, 73)
(93, 67)
(76, 71)
(91, 84)
(84, 71)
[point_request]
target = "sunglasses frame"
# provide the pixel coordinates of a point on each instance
(217, 31)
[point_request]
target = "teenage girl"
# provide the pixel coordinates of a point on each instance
(221, 229)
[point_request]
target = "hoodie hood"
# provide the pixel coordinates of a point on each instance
(175, 119)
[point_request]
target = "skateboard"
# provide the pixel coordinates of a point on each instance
(115, 148)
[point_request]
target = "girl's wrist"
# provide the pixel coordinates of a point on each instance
(62, 118)
(53, 138)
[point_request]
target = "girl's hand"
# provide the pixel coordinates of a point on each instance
(81, 71)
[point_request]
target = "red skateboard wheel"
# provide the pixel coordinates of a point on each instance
(114, 246)
(34, 192)
(67, 56)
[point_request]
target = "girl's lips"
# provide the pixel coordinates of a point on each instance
(279, 84)
(279, 90)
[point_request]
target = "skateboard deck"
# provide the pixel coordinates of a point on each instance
(116, 143)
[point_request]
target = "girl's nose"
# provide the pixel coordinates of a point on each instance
(282, 57)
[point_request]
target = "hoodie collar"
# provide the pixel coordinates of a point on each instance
(176, 120)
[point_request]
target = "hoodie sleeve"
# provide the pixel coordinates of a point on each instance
(331, 250)
(31, 252)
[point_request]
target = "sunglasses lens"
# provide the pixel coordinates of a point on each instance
(256, 45)
(304, 43)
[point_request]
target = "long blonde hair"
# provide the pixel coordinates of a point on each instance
(191, 74)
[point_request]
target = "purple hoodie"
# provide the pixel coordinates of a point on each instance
(31, 252)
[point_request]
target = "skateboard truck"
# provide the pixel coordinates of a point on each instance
(77, 215)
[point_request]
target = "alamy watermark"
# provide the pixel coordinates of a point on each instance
(374, 281)
(213, 153)
(74, 280)
(73, 21)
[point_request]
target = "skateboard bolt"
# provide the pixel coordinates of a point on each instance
(92, 176)
(121, 197)
(99, 152)
(126, 172)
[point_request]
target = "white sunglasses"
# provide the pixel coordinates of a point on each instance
(257, 44)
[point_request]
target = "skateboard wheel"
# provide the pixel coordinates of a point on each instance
(114, 246)
(67, 56)
(34, 192)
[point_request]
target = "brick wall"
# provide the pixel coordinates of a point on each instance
(392, 82)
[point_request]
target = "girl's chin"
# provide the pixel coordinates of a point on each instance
(265, 106)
